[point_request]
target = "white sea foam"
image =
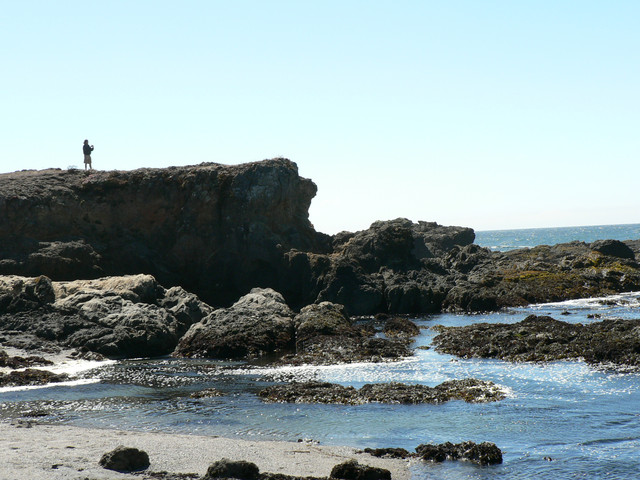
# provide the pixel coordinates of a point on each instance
(629, 299)
(69, 383)
(75, 367)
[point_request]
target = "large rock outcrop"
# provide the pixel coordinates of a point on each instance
(219, 231)
(542, 338)
(215, 230)
(117, 317)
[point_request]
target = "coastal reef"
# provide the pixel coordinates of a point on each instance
(542, 338)
(469, 390)
(219, 231)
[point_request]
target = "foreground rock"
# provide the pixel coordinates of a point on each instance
(239, 469)
(541, 338)
(352, 470)
(469, 390)
(115, 316)
(243, 470)
(125, 459)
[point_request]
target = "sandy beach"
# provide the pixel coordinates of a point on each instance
(33, 451)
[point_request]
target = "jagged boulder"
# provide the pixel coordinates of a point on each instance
(216, 230)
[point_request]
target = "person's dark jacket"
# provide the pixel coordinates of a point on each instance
(87, 149)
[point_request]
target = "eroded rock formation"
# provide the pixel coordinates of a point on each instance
(219, 231)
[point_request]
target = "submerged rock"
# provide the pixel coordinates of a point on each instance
(542, 338)
(469, 390)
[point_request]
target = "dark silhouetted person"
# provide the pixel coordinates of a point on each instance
(87, 149)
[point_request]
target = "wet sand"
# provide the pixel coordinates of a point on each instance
(33, 451)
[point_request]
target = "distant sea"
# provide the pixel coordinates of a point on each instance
(504, 240)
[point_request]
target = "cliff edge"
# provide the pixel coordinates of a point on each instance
(216, 230)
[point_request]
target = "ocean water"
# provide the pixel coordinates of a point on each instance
(560, 420)
(503, 240)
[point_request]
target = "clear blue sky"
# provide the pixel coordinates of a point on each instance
(488, 114)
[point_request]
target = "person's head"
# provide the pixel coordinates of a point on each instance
(86, 142)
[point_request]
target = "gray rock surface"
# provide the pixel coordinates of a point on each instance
(258, 324)
(114, 316)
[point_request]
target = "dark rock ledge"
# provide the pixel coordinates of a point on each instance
(542, 339)
(485, 453)
(470, 390)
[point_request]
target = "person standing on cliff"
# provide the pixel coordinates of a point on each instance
(87, 149)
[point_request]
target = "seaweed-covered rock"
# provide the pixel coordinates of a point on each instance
(388, 452)
(542, 338)
(239, 469)
(400, 327)
(352, 470)
(469, 390)
(22, 362)
(485, 453)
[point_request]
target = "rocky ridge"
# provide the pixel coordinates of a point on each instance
(542, 338)
(219, 231)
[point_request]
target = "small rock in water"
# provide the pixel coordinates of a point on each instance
(485, 453)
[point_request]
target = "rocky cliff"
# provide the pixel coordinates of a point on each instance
(219, 231)
(213, 229)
